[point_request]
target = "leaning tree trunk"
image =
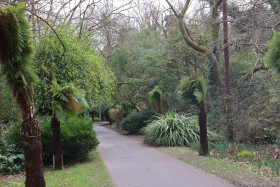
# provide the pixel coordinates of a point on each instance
(202, 120)
(57, 147)
(31, 136)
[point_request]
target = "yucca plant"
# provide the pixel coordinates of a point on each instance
(16, 65)
(155, 97)
(194, 91)
(66, 100)
(172, 129)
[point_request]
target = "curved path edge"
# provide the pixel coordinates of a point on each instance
(132, 164)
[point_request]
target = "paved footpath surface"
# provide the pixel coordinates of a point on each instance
(132, 164)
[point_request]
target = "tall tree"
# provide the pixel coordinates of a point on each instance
(227, 74)
(16, 61)
(193, 44)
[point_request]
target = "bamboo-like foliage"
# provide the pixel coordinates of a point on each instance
(273, 56)
(16, 50)
(67, 100)
(194, 89)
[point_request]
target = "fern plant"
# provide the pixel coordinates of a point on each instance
(155, 97)
(66, 100)
(16, 65)
(194, 91)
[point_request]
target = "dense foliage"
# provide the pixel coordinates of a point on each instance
(78, 63)
(194, 90)
(77, 136)
(273, 55)
(172, 129)
(134, 122)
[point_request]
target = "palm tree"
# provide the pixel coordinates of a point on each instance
(66, 100)
(16, 64)
(155, 97)
(194, 91)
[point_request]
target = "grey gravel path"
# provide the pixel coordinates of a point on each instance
(132, 164)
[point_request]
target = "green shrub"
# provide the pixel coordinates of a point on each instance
(246, 154)
(172, 129)
(135, 121)
(77, 138)
(11, 160)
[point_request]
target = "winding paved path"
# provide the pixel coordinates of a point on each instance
(132, 164)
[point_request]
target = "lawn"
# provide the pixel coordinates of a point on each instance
(238, 173)
(90, 173)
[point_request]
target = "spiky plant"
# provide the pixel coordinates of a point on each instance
(155, 97)
(16, 65)
(66, 100)
(172, 129)
(194, 91)
(272, 57)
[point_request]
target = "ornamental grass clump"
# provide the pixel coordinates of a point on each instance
(172, 129)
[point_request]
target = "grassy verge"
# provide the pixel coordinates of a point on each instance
(239, 173)
(91, 173)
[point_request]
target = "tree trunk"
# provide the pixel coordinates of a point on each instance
(57, 147)
(31, 136)
(202, 120)
(91, 113)
(227, 74)
(160, 108)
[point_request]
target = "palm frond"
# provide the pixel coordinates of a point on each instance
(194, 89)
(67, 100)
(16, 49)
(155, 96)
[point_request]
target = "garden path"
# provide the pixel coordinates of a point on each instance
(130, 163)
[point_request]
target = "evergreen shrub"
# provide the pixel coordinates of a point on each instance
(134, 122)
(77, 138)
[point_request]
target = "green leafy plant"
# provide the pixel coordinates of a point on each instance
(127, 107)
(172, 129)
(246, 154)
(155, 97)
(273, 55)
(67, 100)
(16, 55)
(77, 137)
(135, 121)
(194, 92)
(11, 160)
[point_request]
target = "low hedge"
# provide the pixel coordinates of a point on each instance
(134, 122)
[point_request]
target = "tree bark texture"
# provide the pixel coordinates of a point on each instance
(202, 120)
(227, 73)
(57, 147)
(31, 136)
